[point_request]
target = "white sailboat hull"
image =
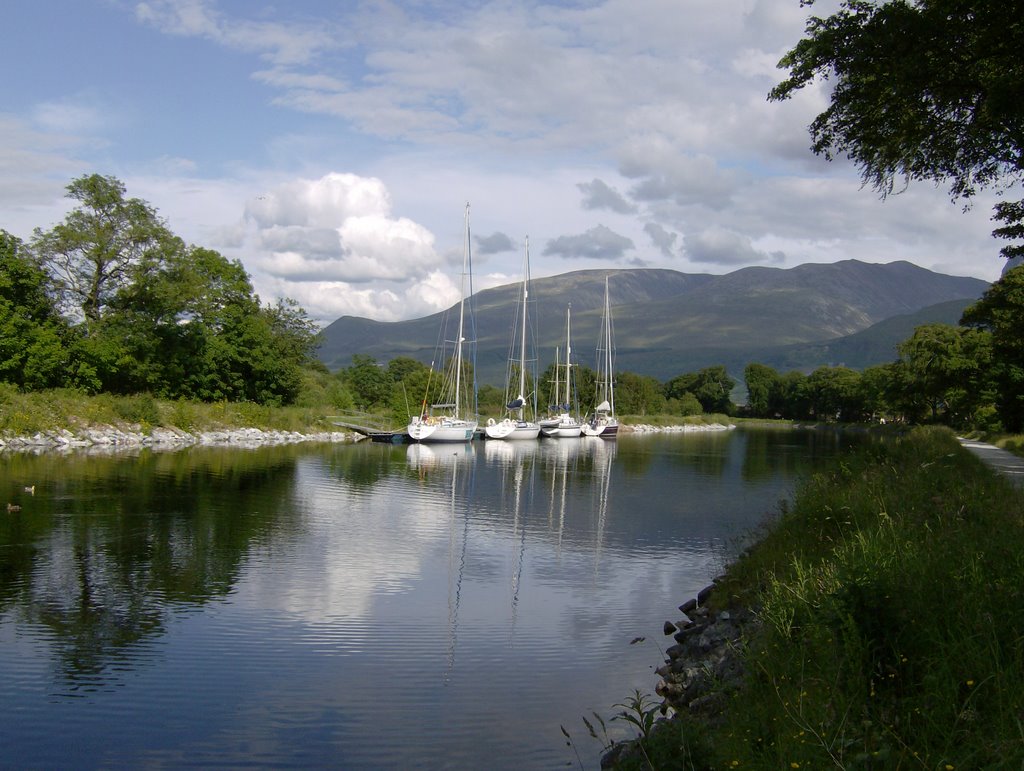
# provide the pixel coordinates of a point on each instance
(564, 427)
(512, 430)
(606, 429)
(441, 430)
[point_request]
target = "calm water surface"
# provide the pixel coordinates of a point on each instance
(359, 606)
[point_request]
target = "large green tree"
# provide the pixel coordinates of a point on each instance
(921, 90)
(945, 370)
(34, 340)
(762, 385)
(152, 314)
(712, 386)
(92, 253)
(1001, 312)
(190, 324)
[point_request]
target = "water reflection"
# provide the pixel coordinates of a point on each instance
(235, 599)
(107, 546)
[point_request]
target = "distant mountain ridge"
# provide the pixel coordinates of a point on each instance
(668, 322)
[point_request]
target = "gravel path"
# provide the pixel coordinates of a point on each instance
(1003, 461)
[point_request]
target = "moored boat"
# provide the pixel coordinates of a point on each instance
(561, 423)
(515, 425)
(603, 422)
(450, 423)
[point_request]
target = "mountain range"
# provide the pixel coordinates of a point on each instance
(667, 322)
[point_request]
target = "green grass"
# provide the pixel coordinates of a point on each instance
(892, 599)
(29, 413)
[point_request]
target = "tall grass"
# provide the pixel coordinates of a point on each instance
(30, 413)
(892, 601)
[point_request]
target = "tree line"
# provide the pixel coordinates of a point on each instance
(966, 376)
(110, 300)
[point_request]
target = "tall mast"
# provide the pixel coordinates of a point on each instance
(568, 354)
(522, 339)
(609, 391)
(462, 304)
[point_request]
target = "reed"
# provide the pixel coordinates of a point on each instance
(891, 596)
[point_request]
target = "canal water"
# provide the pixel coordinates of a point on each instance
(360, 606)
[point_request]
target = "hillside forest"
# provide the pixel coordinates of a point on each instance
(110, 300)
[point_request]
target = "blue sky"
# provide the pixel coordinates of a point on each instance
(332, 146)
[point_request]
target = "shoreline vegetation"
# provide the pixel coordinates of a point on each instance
(876, 622)
(65, 419)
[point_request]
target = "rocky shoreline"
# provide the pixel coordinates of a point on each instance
(114, 438)
(643, 428)
(700, 671)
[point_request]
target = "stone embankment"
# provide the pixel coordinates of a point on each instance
(701, 670)
(133, 437)
(643, 428)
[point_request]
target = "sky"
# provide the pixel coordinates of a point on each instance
(332, 145)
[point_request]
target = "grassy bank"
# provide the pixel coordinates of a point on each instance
(28, 413)
(892, 599)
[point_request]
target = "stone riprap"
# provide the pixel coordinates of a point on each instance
(643, 428)
(701, 671)
(163, 438)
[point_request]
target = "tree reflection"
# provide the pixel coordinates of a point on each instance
(108, 547)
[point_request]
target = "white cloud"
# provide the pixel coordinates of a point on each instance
(374, 123)
(279, 42)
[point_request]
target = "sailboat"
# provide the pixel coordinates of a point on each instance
(514, 425)
(450, 425)
(563, 425)
(603, 423)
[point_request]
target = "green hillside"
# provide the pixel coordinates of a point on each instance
(667, 322)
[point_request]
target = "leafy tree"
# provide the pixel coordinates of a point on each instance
(417, 386)
(876, 391)
(921, 90)
(92, 252)
(711, 385)
(34, 339)
(945, 369)
(188, 324)
(713, 388)
(368, 381)
(638, 394)
(1001, 312)
(321, 388)
(793, 400)
(684, 405)
(834, 393)
(401, 366)
(762, 383)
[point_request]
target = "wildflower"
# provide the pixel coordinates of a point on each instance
(950, 767)
(794, 764)
(970, 683)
